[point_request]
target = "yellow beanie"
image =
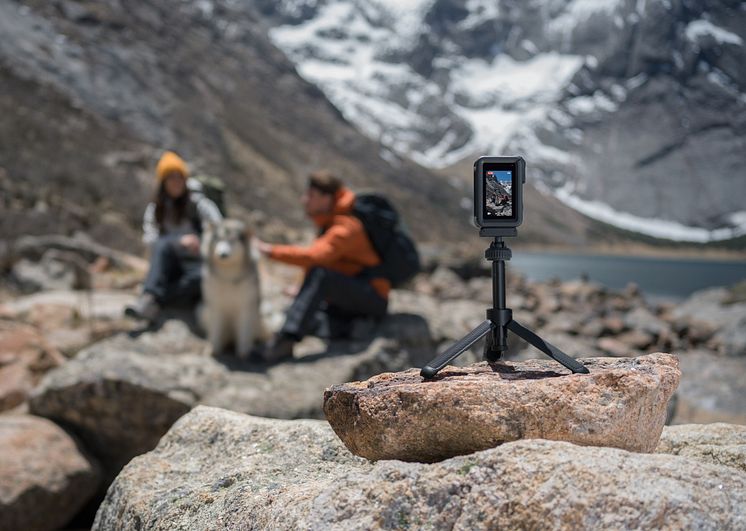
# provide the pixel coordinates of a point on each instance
(170, 162)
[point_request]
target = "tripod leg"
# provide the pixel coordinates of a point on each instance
(458, 348)
(492, 352)
(547, 348)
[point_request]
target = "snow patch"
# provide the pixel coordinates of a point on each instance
(589, 104)
(703, 28)
(580, 11)
(507, 81)
(659, 228)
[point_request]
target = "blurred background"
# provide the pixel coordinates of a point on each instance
(631, 115)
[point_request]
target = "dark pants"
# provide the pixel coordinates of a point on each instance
(175, 274)
(340, 296)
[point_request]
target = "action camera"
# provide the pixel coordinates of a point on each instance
(498, 192)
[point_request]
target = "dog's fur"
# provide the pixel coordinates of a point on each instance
(230, 312)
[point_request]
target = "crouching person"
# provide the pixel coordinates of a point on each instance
(172, 226)
(335, 263)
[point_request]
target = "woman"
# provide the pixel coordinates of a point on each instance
(172, 227)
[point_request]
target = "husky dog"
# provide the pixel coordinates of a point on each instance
(230, 288)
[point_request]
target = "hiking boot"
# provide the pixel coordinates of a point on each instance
(145, 307)
(280, 348)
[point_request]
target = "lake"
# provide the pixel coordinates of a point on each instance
(663, 278)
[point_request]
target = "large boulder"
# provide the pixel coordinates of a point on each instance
(44, 477)
(719, 443)
(121, 395)
(713, 389)
(218, 469)
(121, 403)
(621, 403)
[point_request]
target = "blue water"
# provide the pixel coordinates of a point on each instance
(664, 278)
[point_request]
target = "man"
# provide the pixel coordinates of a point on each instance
(335, 263)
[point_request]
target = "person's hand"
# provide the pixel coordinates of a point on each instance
(190, 242)
(261, 246)
(291, 291)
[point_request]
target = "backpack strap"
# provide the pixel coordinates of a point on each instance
(193, 213)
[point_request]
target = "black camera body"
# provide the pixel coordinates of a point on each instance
(498, 195)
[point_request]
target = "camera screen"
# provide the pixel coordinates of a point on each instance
(498, 194)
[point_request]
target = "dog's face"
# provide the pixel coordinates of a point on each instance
(226, 243)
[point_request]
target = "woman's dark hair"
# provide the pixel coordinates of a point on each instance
(180, 205)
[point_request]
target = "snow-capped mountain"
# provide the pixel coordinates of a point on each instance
(630, 111)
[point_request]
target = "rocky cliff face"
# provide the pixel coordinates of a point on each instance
(93, 91)
(624, 106)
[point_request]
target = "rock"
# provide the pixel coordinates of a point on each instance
(121, 395)
(719, 443)
(613, 325)
(621, 403)
(44, 477)
(25, 356)
(120, 403)
(103, 305)
(72, 320)
(712, 308)
(45, 275)
(614, 347)
(581, 291)
(712, 389)
(445, 284)
(217, 469)
(593, 328)
(448, 320)
(567, 323)
(642, 320)
(635, 339)
(35, 247)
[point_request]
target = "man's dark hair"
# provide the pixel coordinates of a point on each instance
(324, 181)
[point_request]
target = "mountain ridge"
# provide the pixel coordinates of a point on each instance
(593, 94)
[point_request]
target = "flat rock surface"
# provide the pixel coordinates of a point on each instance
(621, 403)
(44, 478)
(719, 443)
(223, 470)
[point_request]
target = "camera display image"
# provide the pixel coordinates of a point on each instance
(498, 194)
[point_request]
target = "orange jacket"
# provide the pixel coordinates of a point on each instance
(344, 246)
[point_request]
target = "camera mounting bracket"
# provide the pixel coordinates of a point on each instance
(497, 232)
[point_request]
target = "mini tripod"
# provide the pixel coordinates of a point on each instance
(499, 319)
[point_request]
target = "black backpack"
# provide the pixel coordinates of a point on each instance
(391, 241)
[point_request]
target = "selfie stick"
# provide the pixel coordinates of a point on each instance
(499, 318)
